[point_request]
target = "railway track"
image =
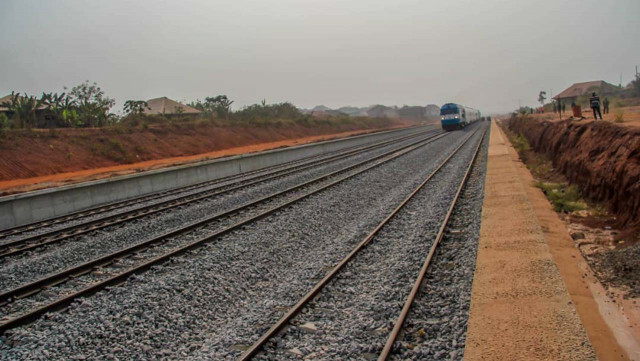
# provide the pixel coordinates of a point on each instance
(22, 245)
(19, 307)
(278, 327)
(158, 195)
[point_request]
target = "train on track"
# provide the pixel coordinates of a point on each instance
(455, 116)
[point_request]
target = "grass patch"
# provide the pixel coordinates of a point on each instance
(520, 143)
(565, 198)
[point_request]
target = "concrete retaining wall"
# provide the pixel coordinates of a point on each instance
(40, 205)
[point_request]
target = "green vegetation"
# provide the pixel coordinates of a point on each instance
(23, 109)
(4, 125)
(519, 142)
(135, 107)
(91, 105)
(86, 105)
(635, 85)
(565, 198)
(219, 106)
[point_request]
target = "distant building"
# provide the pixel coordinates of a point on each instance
(167, 107)
(44, 117)
(3, 100)
(572, 93)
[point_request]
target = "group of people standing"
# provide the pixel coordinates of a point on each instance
(594, 103)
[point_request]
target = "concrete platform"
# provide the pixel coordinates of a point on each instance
(521, 308)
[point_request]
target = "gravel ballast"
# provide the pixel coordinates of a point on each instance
(354, 313)
(436, 326)
(208, 303)
(33, 265)
(171, 194)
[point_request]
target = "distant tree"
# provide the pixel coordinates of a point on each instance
(268, 111)
(135, 107)
(92, 105)
(635, 85)
(542, 97)
(220, 104)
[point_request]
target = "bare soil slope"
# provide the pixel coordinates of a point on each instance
(37, 153)
(601, 157)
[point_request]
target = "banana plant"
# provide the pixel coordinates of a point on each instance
(23, 108)
(62, 107)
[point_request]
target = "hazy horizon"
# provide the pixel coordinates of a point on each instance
(490, 55)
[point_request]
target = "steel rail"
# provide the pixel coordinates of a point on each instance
(386, 351)
(34, 286)
(58, 235)
(32, 315)
(284, 320)
(155, 195)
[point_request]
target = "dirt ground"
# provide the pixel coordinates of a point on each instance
(53, 159)
(631, 116)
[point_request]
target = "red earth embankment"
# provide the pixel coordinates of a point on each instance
(600, 157)
(43, 158)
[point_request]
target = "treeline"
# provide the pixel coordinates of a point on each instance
(86, 105)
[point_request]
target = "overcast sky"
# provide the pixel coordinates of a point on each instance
(485, 54)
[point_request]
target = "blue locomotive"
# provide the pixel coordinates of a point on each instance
(455, 116)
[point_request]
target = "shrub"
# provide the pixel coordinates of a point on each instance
(565, 198)
(4, 122)
(618, 116)
(91, 105)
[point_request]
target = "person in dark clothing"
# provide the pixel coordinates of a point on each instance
(595, 105)
(555, 109)
(605, 105)
(564, 108)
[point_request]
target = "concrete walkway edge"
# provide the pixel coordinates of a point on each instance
(520, 306)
